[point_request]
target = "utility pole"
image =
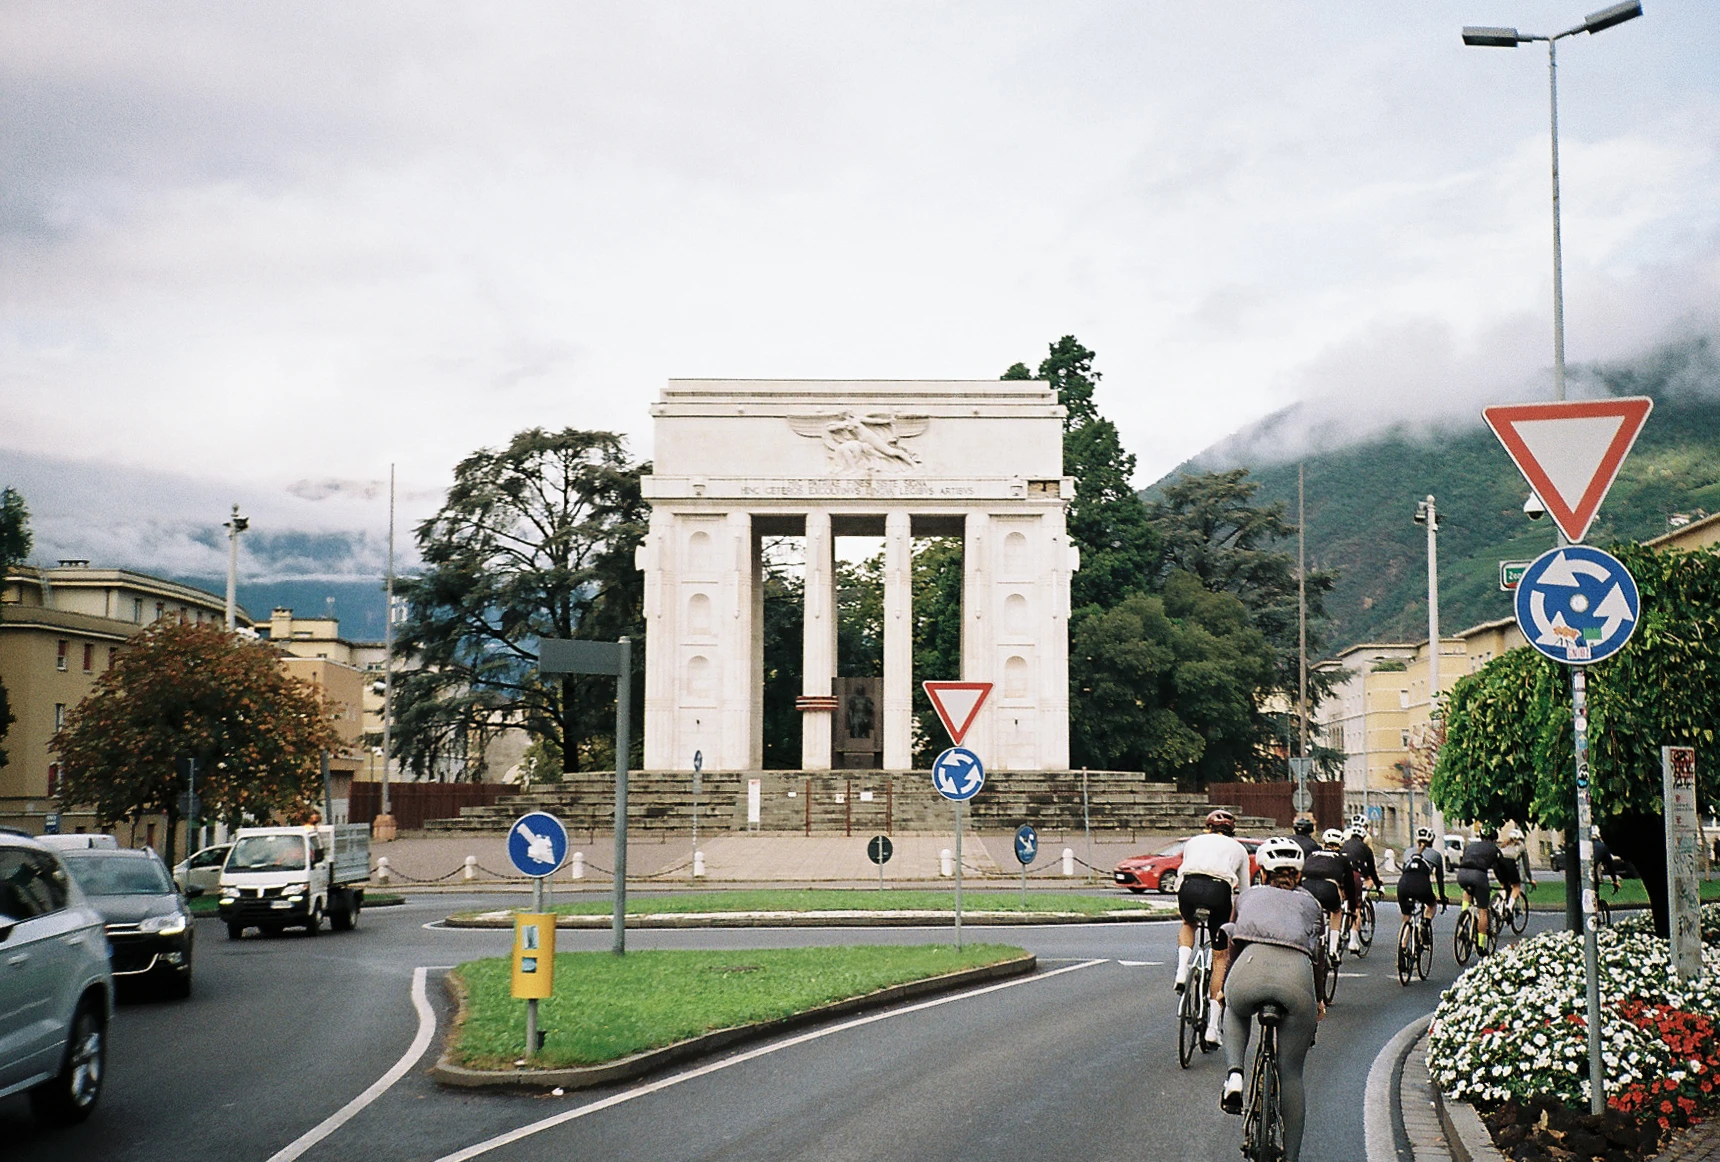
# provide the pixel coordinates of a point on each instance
(385, 821)
(234, 527)
(1302, 610)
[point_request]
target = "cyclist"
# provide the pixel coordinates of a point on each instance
(1360, 853)
(1511, 868)
(1329, 878)
(1277, 960)
(1604, 864)
(1480, 856)
(1421, 867)
(1214, 868)
(1304, 836)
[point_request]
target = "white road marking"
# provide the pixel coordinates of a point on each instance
(1352, 976)
(554, 1120)
(421, 1042)
(1142, 963)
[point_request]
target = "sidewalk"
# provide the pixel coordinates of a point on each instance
(733, 859)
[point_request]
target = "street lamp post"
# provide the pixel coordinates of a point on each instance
(234, 527)
(1577, 873)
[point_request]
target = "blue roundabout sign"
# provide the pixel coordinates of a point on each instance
(958, 774)
(1577, 605)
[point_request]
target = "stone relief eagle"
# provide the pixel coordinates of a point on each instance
(862, 443)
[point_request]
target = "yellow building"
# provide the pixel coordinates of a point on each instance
(61, 629)
(1702, 533)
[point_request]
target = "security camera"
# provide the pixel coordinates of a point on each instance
(1533, 508)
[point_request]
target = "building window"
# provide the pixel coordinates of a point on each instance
(89, 658)
(137, 610)
(160, 608)
(59, 715)
(113, 654)
(60, 655)
(53, 779)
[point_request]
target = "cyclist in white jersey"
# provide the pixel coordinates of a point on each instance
(1214, 869)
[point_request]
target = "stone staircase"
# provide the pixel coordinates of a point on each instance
(854, 803)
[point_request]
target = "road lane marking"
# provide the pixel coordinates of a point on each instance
(421, 1042)
(554, 1120)
(1352, 976)
(1142, 963)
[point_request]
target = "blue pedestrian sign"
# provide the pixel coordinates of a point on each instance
(537, 844)
(1577, 605)
(958, 774)
(1026, 844)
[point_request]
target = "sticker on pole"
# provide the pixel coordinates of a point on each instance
(957, 704)
(537, 844)
(1577, 605)
(1570, 451)
(958, 774)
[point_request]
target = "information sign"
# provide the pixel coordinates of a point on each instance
(879, 849)
(1683, 867)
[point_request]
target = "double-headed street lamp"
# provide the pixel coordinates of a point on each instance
(1511, 38)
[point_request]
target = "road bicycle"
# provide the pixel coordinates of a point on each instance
(1196, 1002)
(1330, 992)
(1469, 940)
(1508, 913)
(1415, 947)
(1517, 911)
(1364, 926)
(1263, 1116)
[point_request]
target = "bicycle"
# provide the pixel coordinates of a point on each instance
(1415, 948)
(1363, 927)
(1469, 939)
(1505, 914)
(1330, 992)
(1263, 1116)
(1519, 911)
(1196, 1004)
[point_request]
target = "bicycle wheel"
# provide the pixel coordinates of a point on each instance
(1424, 949)
(1263, 1127)
(1188, 1015)
(1463, 940)
(1520, 913)
(1365, 932)
(1603, 913)
(1330, 992)
(1406, 953)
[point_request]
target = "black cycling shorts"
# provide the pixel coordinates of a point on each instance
(1476, 882)
(1508, 873)
(1331, 896)
(1413, 895)
(1198, 891)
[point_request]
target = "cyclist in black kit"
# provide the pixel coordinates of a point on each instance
(1481, 857)
(1330, 879)
(1421, 867)
(1304, 837)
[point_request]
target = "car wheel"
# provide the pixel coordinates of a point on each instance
(178, 986)
(1137, 891)
(70, 1097)
(1167, 883)
(313, 926)
(235, 931)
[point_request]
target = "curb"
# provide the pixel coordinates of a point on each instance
(501, 920)
(1381, 1112)
(1464, 1132)
(447, 1073)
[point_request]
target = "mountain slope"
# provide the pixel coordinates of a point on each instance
(1361, 502)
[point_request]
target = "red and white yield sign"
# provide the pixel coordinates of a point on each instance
(957, 704)
(1570, 451)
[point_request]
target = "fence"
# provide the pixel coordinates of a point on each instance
(1272, 800)
(413, 803)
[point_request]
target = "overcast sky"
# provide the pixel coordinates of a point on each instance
(272, 243)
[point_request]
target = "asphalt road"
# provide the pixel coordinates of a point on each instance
(1078, 1061)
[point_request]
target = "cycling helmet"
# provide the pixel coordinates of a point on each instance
(1513, 833)
(1490, 833)
(1222, 821)
(1359, 822)
(1332, 837)
(1278, 854)
(1304, 827)
(1355, 833)
(1424, 835)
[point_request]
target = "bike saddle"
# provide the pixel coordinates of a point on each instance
(1203, 913)
(1271, 1014)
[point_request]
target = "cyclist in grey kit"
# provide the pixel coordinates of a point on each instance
(1275, 959)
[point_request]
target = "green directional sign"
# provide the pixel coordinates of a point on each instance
(1511, 572)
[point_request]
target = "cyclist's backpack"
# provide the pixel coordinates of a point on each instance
(1417, 863)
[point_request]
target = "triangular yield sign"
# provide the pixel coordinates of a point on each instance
(1570, 452)
(957, 704)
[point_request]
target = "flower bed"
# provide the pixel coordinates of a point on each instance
(1642, 923)
(1512, 1031)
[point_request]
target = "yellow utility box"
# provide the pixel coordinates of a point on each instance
(534, 955)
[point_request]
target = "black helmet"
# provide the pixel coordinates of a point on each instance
(1304, 827)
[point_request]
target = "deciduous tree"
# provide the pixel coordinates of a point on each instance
(14, 548)
(179, 692)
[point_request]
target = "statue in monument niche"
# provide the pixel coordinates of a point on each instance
(862, 443)
(860, 713)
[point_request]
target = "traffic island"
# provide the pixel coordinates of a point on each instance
(616, 1018)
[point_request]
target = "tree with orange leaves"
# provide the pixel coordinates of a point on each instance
(180, 692)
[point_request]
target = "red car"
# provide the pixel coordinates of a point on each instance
(1158, 870)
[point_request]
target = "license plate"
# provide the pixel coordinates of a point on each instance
(1121, 878)
(279, 904)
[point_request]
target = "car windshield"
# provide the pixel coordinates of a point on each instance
(118, 875)
(268, 853)
(1171, 848)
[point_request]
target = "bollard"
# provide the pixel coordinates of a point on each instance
(382, 869)
(1068, 861)
(698, 864)
(576, 866)
(471, 867)
(946, 863)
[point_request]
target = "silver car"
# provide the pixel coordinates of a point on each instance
(202, 871)
(56, 988)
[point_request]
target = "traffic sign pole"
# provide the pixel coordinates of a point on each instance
(1586, 858)
(960, 806)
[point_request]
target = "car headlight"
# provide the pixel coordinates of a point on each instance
(229, 893)
(171, 924)
(295, 898)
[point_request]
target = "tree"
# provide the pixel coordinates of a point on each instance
(179, 692)
(1208, 525)
(1107, 521)
(14, 549)
(1168, 683)
(1508, 748)
(535, 540)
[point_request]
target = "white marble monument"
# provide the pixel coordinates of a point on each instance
(740, 460)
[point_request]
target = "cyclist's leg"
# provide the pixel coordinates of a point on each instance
(1265, 972)
(1186, 904)
(1238, 1018)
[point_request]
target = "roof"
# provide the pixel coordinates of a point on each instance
(58, 620)
(1683, 532)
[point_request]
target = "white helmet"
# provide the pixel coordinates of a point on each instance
(1332, 837)
(1424, 835)
(1359, 821)
(1513, 833)
(1355, 833)
(1278, 854)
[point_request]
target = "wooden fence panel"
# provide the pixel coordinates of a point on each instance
(413, 803)
(1272, 800)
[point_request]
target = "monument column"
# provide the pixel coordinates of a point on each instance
(898, 643)
(818, 651)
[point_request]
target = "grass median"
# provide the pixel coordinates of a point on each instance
(1548, 895)
(848, 900)
(607, 1007)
